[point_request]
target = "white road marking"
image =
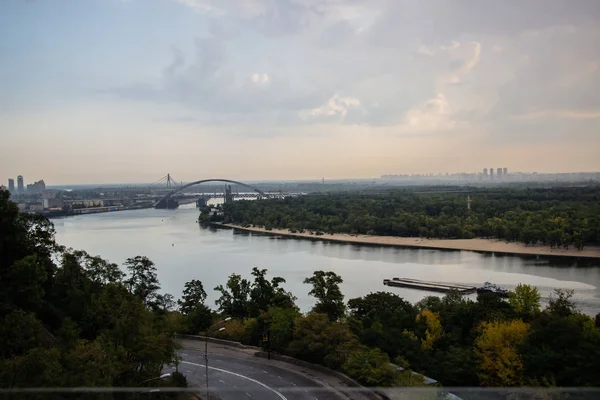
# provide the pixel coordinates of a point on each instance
(279, 377)
(293, 383)
(315, 398)
(222, 381)
(248, 394)
(282, 397)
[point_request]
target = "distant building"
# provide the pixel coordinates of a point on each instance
(20, 185)
(52, 199)
(38, 187)
(499, 173)
(485, 175)
(491, 173)
(504, 171)
(11, 185)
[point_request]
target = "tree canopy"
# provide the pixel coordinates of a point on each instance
(557, 217)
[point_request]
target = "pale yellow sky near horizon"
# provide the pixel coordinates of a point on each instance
(297, 89)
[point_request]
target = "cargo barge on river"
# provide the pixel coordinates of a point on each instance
(430, 286)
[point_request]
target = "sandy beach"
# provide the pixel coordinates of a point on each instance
(481, 245)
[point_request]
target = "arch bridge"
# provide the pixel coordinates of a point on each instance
(165, 198)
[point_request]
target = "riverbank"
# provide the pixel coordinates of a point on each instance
(479, 245)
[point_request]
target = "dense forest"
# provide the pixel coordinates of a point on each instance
(69, 319)
(557, 217)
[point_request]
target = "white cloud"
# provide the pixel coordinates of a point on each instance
(336, 109)
(260, 79)
(201, 6)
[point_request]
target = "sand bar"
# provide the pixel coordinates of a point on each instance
(480, 245)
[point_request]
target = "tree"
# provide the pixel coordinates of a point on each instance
(434, 328)
(561, 304)
(562, 351)
(66, 319)
(371, 367)
(455, 366)
(142, 280)
(193, 296)
(99, 270)
(265, 293)
(386, 308)
(234, 297)
(497, 351)
(198, 319)
(163, 303)
(317, 339)
(525, 300)
(280, 323)
(326, 289)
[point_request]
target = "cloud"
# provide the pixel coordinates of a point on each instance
(335, 109)
(260, 79)
(424, 67)
(563, 114)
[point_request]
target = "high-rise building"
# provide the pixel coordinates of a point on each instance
(38, 187)
(491, 173)
(485, 175)
(20, 186)
(504, 171)
(499, 173)
(11, 185)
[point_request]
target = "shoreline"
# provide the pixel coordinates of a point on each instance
(477, 245)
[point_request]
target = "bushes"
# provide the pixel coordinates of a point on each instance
(371, 367)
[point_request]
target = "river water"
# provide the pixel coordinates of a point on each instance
(182, 250)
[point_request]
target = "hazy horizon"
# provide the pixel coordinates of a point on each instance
(125, 91)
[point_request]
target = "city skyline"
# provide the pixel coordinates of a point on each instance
(482, 175)
(296, 89)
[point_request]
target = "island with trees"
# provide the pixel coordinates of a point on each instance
(555, 218)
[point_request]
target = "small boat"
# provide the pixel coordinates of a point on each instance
(491, 288)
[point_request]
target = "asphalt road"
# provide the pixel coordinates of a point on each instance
(243, 378)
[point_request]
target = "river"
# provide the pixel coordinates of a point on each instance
(183, 250)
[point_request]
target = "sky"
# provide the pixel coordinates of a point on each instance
(129, 90)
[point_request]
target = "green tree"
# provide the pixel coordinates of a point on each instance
(67, 319)
(326, 289)
(280, 323)
(562, 351)
(317, 339)
(265, 293)
(561, 304)
(525, 300)
(198, 319)
(142, 280)
(99, 270)
(371, 367)
(386, 308)
(234, 300)
(193, 296)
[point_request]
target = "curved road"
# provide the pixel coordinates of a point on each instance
(246, 378)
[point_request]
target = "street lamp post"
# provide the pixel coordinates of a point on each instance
(209, 330)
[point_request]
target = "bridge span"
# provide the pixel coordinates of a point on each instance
(164, 201)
